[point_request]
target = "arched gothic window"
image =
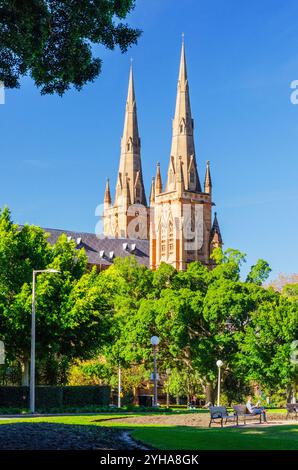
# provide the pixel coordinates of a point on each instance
(193, 218)
(163, 238)
(171, 237)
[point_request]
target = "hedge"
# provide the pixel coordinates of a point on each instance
(14, 396)
(53, 397)
(86, 395)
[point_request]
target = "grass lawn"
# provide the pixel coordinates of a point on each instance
(187, 438)
(283, 437)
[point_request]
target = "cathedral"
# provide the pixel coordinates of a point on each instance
(175, 226)
(177, 222)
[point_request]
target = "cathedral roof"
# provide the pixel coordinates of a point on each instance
(102, 251)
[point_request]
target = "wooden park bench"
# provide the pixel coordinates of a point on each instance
(242, 411)
(219, 413)
(292, 409)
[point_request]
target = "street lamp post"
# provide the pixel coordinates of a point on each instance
(219, 364)
(155, 341)
(33, 329)
(119, 384)
(168, 372)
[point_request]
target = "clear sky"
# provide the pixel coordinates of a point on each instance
(242, 56)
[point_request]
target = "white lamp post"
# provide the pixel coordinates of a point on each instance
(32, 363)
(119, 383)
(168, 372)
(2, 353)
(155, 341)
(219, 364)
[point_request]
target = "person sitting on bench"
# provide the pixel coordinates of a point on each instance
(256, 409)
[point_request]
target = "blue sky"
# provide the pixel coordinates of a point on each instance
(242, 56)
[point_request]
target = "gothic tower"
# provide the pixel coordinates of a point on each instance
(181, 228)
(128, 216)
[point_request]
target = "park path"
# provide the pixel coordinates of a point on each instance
(192, 419)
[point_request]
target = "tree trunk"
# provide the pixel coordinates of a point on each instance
(135, 394)
(168, 399)
(209, 393)
(25, 372)
(291, 393)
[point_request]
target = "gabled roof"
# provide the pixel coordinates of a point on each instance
(94, 247)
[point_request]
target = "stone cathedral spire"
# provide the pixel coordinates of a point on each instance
(178, 221)
(130, 189)
(107, 196)
(181, 220)
(183, 147)
(130, 158)
(208, 181)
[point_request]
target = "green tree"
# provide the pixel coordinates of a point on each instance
(72, 312)
(197, 314)
(259, 273)
(183, 383)
(228, 264)
(60, 327)
(21, 251)
(290, 290)
(266, 344)
(53, 41)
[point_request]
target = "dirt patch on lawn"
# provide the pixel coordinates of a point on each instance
(191, 419)
(187, 419)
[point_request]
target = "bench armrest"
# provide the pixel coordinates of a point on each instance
(217, 414)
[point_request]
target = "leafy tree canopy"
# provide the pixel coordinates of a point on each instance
(53, 40)
(68, 324)
(290, 290)
(107, 318)
(259, 272)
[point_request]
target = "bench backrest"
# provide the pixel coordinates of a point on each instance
(292, 407)
(218, 411)
(240, 409)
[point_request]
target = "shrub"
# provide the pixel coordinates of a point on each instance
(14, 397)
(49, 397)
(86, 395)
(55, 397)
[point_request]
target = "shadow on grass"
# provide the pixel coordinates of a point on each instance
(58, 436)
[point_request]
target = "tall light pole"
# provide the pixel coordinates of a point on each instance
(219, 364)
(119, 384)
(2, 353)
(155, 341)
(168, 372)
(32, 362)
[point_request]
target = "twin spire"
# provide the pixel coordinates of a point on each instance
(182, 169)
(130, 130)
(183, 148)
(130, 187)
